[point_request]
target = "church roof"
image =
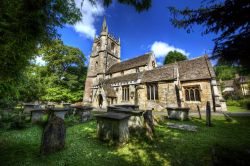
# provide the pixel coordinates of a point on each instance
(198, 68)
(228, 83)
(129, 64)
(126, 78)
(159, 74)
(195, 69)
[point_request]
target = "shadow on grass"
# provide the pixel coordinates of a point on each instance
(169, 146)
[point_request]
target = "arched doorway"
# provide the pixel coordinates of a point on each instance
(100, 100)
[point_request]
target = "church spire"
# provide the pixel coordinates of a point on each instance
(104, 25)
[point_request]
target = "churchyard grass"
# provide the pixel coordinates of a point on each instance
(237, 109)
(169, 146)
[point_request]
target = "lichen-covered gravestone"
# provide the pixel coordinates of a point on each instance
(54, 134)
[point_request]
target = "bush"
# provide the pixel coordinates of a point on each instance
(14, 119)
(233, 103)
(71, 120)
(240, 103)
(245, 103)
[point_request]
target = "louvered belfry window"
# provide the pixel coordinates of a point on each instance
(152, 92)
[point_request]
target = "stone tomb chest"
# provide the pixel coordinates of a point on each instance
(60, 112)
(28, 107)
(113, 127)
(178, 113)
(136, 119)
(84, 112)
(36, 114)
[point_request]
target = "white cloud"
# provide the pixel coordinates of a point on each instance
(90, 13)
(159, 63)
(161, 49)
(39, 61)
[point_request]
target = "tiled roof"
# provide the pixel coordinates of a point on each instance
(195, 69)
(129, 64)
(228, 83)
(121, 79)
(159, 74)
(198, 68)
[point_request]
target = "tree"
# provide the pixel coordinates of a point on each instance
(224, 72)
(24, 24)
(174, 56)
(64, 73)
(229, 19)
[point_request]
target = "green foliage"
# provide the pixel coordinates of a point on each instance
(237, 109)
(229, 19)
(244, 103)
(25, 24)
(12, 119)
(71, 120)
(64, 73)
(224, 72)
(174, 56)
(58, 94)
(8, 93)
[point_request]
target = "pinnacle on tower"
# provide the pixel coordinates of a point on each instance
(104, 25)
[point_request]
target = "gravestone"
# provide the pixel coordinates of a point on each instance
(53, 138)
(149, 123)
(37, 114)
(84, 112)
(113, 127)
(208, 114)
(136, 120)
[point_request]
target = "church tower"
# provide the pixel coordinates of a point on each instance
(105, 53)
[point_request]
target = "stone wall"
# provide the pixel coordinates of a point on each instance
(167, 97)
(205, 95)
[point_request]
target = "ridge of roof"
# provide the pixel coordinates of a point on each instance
(138, 61)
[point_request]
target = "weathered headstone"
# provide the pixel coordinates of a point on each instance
(149, 124)
(199, 112)
(54, 134)
(208, 114)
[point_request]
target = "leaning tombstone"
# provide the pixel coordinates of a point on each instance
(54, 133)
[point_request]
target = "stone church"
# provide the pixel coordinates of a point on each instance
(139, 81)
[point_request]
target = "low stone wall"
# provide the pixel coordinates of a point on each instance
(178, 113)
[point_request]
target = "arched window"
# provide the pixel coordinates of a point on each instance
(192, 93)
(187, 95)
(153, 64)
(98, 47)
(113, 47)
(197, 95)
(152, 92)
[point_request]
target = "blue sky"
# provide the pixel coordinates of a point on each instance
(139, 32)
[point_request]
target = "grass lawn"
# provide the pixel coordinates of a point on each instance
(169, 147)
(237, 109)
